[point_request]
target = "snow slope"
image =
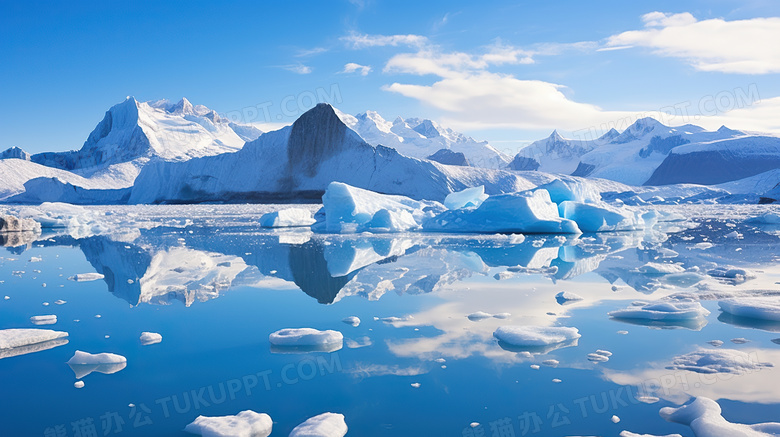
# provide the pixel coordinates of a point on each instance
(299, 161)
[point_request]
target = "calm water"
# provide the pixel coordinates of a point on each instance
(215, 286)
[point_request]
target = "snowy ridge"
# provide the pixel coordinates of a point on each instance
(420, 138)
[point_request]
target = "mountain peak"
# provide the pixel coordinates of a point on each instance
(183, 106)
(427, 129)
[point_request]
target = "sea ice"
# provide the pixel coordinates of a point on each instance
(663, 310)
(290, 217)
(352, 320)
(565, 297)
(535, 335)
(716, 343)
(78, 384)
(468, 198)
(615, 419)
(704, 417)
(718, 361)
(601, 217)
(148, 338)
(84, 363)
(305, 337)
(633, 434)
(479, 315)
(14, 342)
(323, 425)
(764, 308)
(48, 319)
(244, 424)
(660, 269)
(82, 277)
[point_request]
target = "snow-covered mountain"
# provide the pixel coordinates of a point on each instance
(299, 161)
(419, 138)
(650, 153)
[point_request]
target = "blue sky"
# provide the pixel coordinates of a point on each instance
(505, 71)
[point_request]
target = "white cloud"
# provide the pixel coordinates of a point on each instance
(740, 46)
(311, 52)
(352, 67)
(298, 68)
(362, 41)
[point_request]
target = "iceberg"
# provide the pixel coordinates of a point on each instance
(287, 218)
(565, 297)
(523, 212)
(244, 424)
(9, 223)
(349, 208)
(323, 425)
(704, 417)
(763, 308)
(468, 198)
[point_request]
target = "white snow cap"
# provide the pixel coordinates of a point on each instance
(323, 425)
(244, 424)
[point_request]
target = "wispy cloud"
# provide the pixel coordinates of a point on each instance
(298, 68)
(740, 46)
(362, 40)
(352, 67)
(310, 52)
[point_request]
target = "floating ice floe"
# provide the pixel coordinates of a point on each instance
(764, 308)
(48, 319)
(660, 269)
(479, 315)
(704, 417)
(148, 338)
(769, 218)
(305, 339)
(83, 277)
(352, 320)
(286, 218)
(565, 297)
(740, 340)
(633, 434)
(15, 342)
(732, 274)
(84, 363)
(600, 356)
(323, 425)
(662, 311)
(468, 198)
(716, 343)
(541, 339)
(718, 361)
(244, 424)
(11, 224)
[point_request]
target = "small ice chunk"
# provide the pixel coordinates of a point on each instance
(290, 217)
(148, 338)
(36, 259)
(625, 433)
(647, 399)
(557, 381)
(7, 297)
(701, 246)
(394, 319)
(662, 310)
(565, 297)
(244, 424)
(622, 332)
(740, 340)
(468, 198)
(60, 302)
(615, 419)
(440, 360)
(717, 361)
(598, 358)
(479, 315)
(324, 425)
(305, 337)
(535, 335)
(474, 424)
(83, 277)
(536, 366)
(502, 315)
(764, 308)
(416, 384)
(551, 363)
(704, 417)
(84, 363)
(78, 384)
(716, 343)
(46, 304)
(48, 319)
(660, 269)
(352, 320)
(733, 234)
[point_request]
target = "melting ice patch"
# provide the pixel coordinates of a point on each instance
(535, 336)
(244, 424)
(305, 339)
(323, 425)
(704, 417)
(718, 361)
(14, 342)
(763, 308)
(84, 363)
